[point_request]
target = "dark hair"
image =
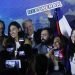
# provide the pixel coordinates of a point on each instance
(14, 23)
(49, 30)
(51, 35)
(71, 34)
(71, 46)
(72, 31)
(41, 64)
(3, 26)
(10, 42)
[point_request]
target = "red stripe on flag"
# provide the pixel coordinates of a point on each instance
(58, 28)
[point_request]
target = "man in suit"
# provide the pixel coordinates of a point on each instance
(29, 30)
(46, 41)
(45, 47)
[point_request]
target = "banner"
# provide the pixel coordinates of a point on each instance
(19, 10)
(43, 8)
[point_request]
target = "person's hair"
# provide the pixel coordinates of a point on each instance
(41, 64)
(50, 33)
(49, 30)
(10, 42)
(71, 46)
(71, 34)
(14, 23)
(3, 26)
(24, 23)
(62, 40)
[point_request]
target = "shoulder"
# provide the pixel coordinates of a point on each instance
(39, 45)
(27, 41)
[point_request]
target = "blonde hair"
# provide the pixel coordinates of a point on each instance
(57, 39)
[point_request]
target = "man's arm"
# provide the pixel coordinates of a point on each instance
(52, 21)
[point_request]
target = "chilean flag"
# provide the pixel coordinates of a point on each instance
(62, 24)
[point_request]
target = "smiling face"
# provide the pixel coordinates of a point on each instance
(14, 31)
(28, 27)
(57, 42)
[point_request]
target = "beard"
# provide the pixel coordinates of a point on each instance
(46, 42)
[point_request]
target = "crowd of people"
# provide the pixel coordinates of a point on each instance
(36, 53)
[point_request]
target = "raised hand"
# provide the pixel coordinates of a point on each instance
(49, 14)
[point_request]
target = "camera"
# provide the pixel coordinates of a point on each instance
(13, 64)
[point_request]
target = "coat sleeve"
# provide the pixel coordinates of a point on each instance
(53, 24)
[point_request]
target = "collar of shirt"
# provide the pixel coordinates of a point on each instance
(31, 37)
(17, 45)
